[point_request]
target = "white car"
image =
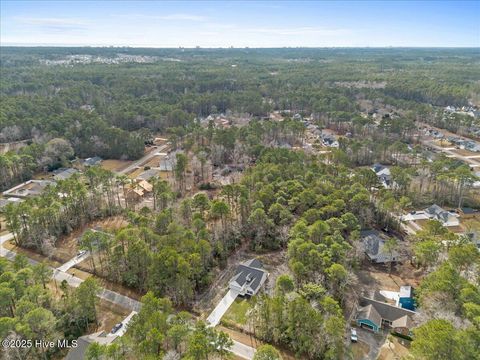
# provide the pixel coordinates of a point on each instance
(81, 253)
(353, 335)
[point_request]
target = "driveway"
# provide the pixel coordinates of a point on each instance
(73, 261)
(73, 281)
(216, 315)
(374, 341)
(158, 151)
(239, 349)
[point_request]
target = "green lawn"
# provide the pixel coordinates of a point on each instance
(237, 312)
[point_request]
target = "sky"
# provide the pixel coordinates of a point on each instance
(241, 23)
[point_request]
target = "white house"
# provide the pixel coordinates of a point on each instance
(434, 212)
(374, 248)
(249, 278)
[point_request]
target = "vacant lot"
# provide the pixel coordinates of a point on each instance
(115, 165)
(67, 247)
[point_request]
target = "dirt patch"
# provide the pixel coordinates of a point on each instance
(360, 350)
(373, 278)
(115, 165)
(67, 246)
(394, 349)
(109, 314)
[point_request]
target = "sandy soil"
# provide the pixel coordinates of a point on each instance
(67, 246)
(375, 277)
(393, 350)
(109, 314)
(115, 165)
(360, 350)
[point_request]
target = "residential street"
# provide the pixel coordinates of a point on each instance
(144, 159)
(238, 348)
(473, 161)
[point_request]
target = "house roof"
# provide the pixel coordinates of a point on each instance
(148, 174)
(434, 210)
(369, 312)
(387, 311)
(250, 273)
(145, 185)
(5, 202)
(78, 352)
(92, 161)
(374, 243)
(29, 188)
(404, 321)
(377, 167)
(63, 174)
(254, 263)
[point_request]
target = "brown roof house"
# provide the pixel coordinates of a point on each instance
(375, 315)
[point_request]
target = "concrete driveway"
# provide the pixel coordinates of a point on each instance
(73, 261)
(221, 308)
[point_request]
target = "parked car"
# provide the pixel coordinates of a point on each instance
(81, 253)
(353, 335)
(116, 328)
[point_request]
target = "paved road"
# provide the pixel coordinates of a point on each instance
(242, 350)
(470, 160)
(144, 159)
(221, 308)
(238, 348)
(73, 261)
(74, 281)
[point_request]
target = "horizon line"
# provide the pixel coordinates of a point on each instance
(237, 47)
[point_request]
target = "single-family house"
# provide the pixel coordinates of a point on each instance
(384, 175)
(249, 278)
(30, 188)
(447, 218)
(92, 161)
(145, 186)
(434, 212)
(63, 174)
(375, 315)
(374, 247)
(78, 352)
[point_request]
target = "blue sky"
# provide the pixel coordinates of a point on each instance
(241, 23)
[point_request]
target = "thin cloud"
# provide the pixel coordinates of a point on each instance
(169, 17)
(54, 24)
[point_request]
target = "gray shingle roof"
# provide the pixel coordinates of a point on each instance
(387, 311)
(250, 272)
(64, 174)
(369, 312)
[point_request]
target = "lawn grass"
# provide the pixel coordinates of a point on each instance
(237, 312)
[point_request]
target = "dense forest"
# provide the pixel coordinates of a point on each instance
(292, 196)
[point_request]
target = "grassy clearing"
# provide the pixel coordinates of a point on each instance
(237, 312)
